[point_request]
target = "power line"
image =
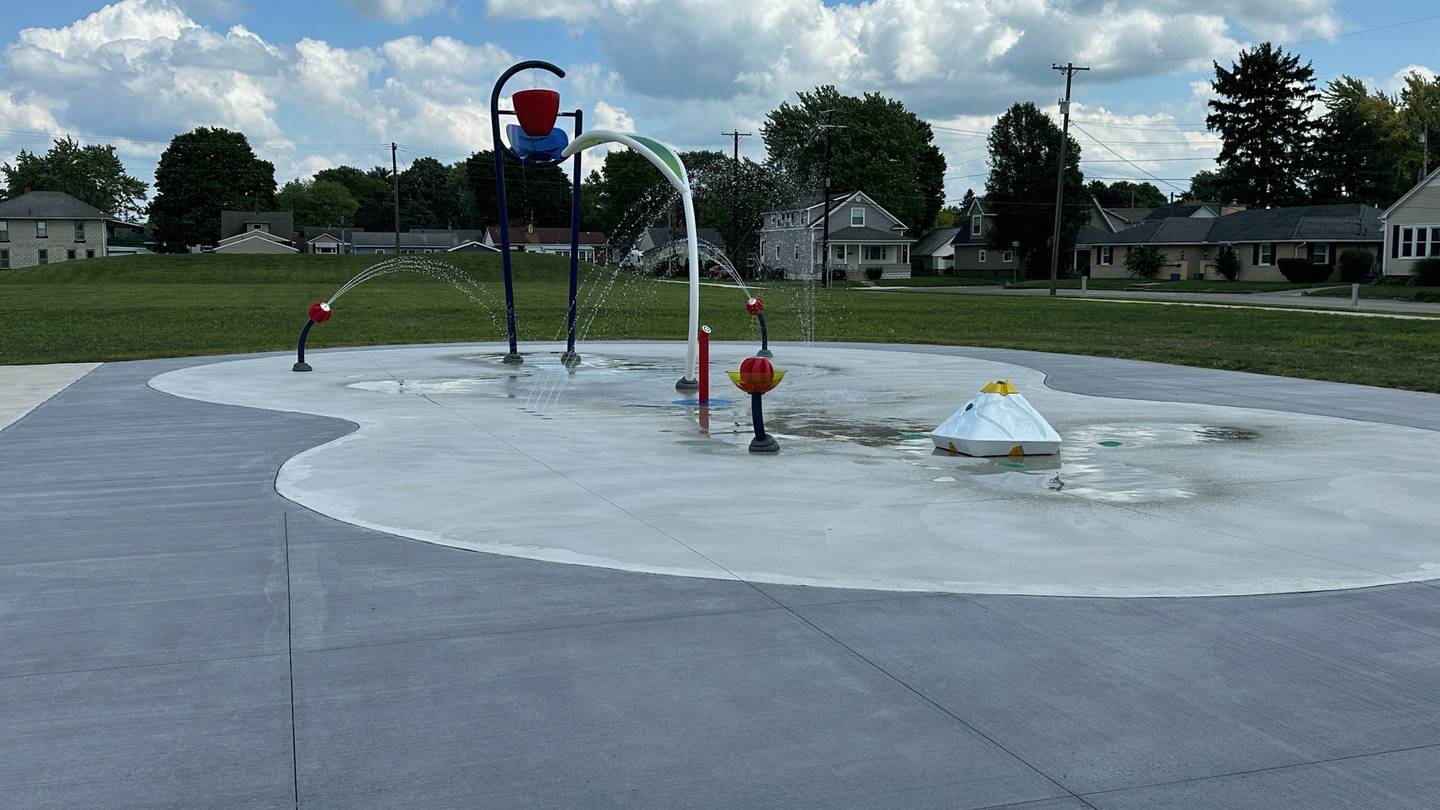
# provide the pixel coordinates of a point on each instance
(1127, 160)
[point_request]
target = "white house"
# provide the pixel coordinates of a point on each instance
(1412, 227)
(863, 236)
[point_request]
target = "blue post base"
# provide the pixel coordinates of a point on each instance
(763, 442)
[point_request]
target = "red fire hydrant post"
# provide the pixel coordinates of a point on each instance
(704, 362)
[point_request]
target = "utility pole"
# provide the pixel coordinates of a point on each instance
(1070, 70)
(734, 191)
(395, 178)
(1425, 151)
(825, 227)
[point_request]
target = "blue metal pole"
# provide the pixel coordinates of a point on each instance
(570, 358)
(513, 357)
(758, 417)
(764, 337)
(300, 364)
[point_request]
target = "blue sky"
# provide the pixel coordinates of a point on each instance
(323, 82)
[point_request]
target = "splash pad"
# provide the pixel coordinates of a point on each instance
(1156, 498)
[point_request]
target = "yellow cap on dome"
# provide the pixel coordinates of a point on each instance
(1001, 387)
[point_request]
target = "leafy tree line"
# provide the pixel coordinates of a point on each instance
(92, 174)
(1365, 147)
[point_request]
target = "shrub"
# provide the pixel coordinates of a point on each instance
(1302, 271)
(874, 273)
(1143, 261)
(1427, 272)
(1227, 262)
(1355, 264)
(837, 274)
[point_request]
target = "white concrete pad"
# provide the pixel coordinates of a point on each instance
(601, 467)
(23, 388)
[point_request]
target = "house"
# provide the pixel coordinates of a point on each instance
(1190, 244)
(652, 238)
(531, 239)
(973, 255)
(863, 236)
(270, 232)
(43, 227)
(1412, 227)
(935, 251)
(255, 241)
(275, 223)
(339, 241)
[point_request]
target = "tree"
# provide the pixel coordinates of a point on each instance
(884, 150)
(1262, 112)
(318, 203)
(1356, 157)
(373, 196)
(1419, 109)
(1227, 262)
(1125, 194)
(1024, 158)
(1210, 186)
(533, 195)
(949, 216)
(967, 200)
(1143, 261)
(92, 174)
(718, 182)
(426, 200)
(201, 173)
(623, 196)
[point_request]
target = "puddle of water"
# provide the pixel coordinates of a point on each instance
(455, 385)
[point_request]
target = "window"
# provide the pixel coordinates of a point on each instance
(70, 255)
(44, 256)
(1319, 253)
(777, 247)
(857, 216)
(1009, 256)
(1182, 255)
(977, 224)
(874, 253)
(258, 226)
(1419, 242)
(4, 260)
(4, 231)
(79, 232)
(90, 253)
(797, 247)
(42, 229)
(838, 251)
(983, 253)
(1265, 253)
(1104, 256)
(382, 251)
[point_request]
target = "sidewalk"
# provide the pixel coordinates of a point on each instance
(1286, 300)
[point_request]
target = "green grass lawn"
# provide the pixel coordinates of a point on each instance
(927, 281)
(1386, 292)
(163, 306)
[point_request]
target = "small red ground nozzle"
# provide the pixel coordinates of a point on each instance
(754, 306)
(320, 312)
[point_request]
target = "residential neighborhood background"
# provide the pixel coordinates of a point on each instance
(1307, 180)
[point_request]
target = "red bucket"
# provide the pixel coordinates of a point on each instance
(537, 109)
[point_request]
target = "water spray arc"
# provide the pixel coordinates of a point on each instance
(670, 165)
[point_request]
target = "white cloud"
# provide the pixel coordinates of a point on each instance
(1397, 80)
(397, 11)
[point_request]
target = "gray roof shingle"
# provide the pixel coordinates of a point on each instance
(1351, 222)
(48, 205)
(934, 240)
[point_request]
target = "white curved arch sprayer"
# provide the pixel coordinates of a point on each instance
(673, 169)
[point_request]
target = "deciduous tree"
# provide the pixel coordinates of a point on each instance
(201, 173)
(1024, 160)
(92, 174)
(318, 203)
(372, 194)
(884, 150)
